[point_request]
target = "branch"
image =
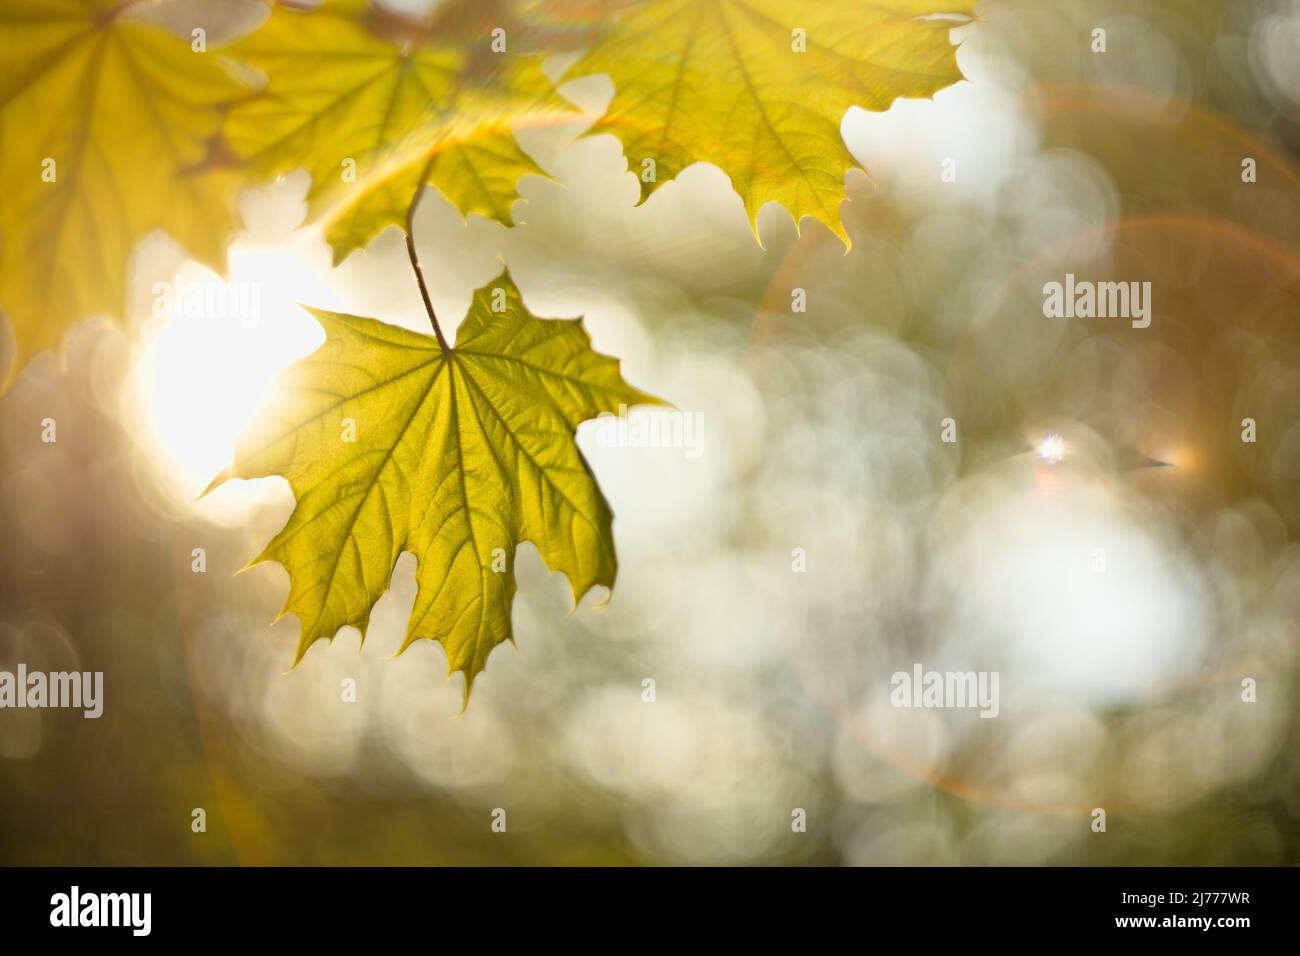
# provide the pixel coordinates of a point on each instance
(414, 257)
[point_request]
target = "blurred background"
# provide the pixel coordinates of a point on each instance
(1120, 687)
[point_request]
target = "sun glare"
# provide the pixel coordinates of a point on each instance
(1052, 449)
(213, 347)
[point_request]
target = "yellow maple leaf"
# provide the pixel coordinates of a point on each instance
(392, 443)
(759, 87)
(375, 104)
(108, 127)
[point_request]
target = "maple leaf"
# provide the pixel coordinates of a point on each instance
(725, 82)
(457, 456)
(375, 105)
(108, 127)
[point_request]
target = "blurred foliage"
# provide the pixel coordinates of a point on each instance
(1120, 691)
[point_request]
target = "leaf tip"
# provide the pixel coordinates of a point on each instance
(213, 485)
(465, 690)
(305, 641)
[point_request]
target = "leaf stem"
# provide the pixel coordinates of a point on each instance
(415, 258)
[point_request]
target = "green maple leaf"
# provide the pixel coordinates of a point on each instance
(723, 82)
(458, 455)
(108, 130)
(375, 105)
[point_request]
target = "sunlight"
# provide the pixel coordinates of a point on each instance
(1052, 449)
(212, 348)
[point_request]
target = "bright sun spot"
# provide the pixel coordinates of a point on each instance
(213, 347)
(1052, 449)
